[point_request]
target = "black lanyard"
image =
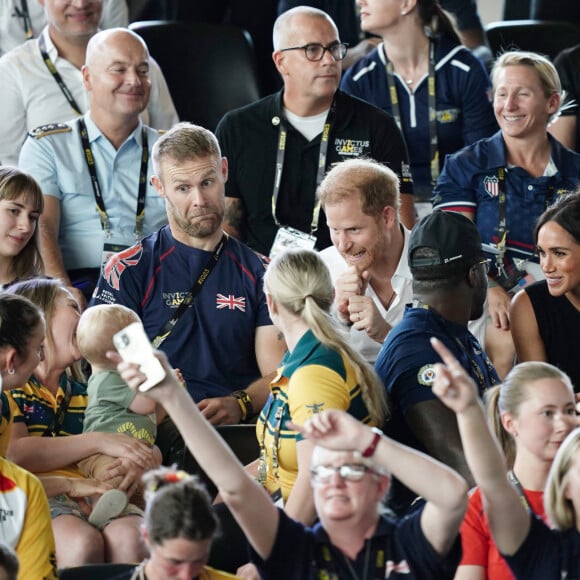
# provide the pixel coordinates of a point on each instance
(195, 289)
(434, 152)
(140, 211)
(25, 15)
(280, 154)
(56, 75)
(326, 565)
(502, 230)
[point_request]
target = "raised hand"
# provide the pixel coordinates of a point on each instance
(454, 387)
(335, 429)
(366, 317)
(350, 283)
(132, 375)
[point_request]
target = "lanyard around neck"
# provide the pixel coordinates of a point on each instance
(396, 109)
(322, 154)
(56, 75)
(328, 556)
(23, 13)
(502, 229)
(100, 202)
(195, 290)
(263, 459)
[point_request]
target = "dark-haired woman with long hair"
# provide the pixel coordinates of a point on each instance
(435, 88)
(545, 318)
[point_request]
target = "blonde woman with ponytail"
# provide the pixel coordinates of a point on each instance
(319, 371)
(527, 414)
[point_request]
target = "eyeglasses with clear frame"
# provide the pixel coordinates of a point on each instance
(315, 51)
(347, 471)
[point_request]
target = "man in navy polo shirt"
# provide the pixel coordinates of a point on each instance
(449, 288)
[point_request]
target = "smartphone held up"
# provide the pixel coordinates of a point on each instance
(133, 346)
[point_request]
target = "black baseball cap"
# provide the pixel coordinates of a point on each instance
(454, 236)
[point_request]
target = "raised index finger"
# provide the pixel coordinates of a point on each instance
(444, 352)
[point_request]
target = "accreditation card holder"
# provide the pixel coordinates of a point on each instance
(134, 346)
(287, 238)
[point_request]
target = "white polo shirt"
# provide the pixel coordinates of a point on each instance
(402, 283)
(115, 13)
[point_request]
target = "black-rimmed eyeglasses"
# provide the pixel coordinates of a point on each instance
(348, 471)
(314, 51)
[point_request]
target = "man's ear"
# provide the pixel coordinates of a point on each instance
(156, 183)
(472, 275)
(85, 72)
(388, 215)
(225, 168)
(278, 57)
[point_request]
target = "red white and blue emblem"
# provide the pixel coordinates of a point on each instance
(230, 302)
(491, 185)
(120, 262)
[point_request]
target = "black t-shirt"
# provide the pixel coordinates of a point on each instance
(249, 139)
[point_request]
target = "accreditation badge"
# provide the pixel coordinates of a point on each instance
(110, 249)
(287, 238)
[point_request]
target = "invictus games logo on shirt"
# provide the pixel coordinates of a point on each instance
(426, 375)
(351, 147)
(491, 185)
(174, 299)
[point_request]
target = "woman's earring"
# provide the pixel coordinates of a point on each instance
(11, 371)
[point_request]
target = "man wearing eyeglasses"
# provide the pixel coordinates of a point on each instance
(280, 147)
(449, 288)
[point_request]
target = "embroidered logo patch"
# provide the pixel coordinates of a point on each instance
(230, 302)
(315, 408)
(351, 147)
(491, 185)
(426, 375)
(448, 115)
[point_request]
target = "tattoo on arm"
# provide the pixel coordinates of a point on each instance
(235, 219)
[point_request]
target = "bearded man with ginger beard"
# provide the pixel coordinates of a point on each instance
(367, 261)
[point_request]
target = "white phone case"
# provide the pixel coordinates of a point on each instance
(134, 346)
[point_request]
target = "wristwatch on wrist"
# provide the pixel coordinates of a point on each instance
(245, 404)
(370, 450)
